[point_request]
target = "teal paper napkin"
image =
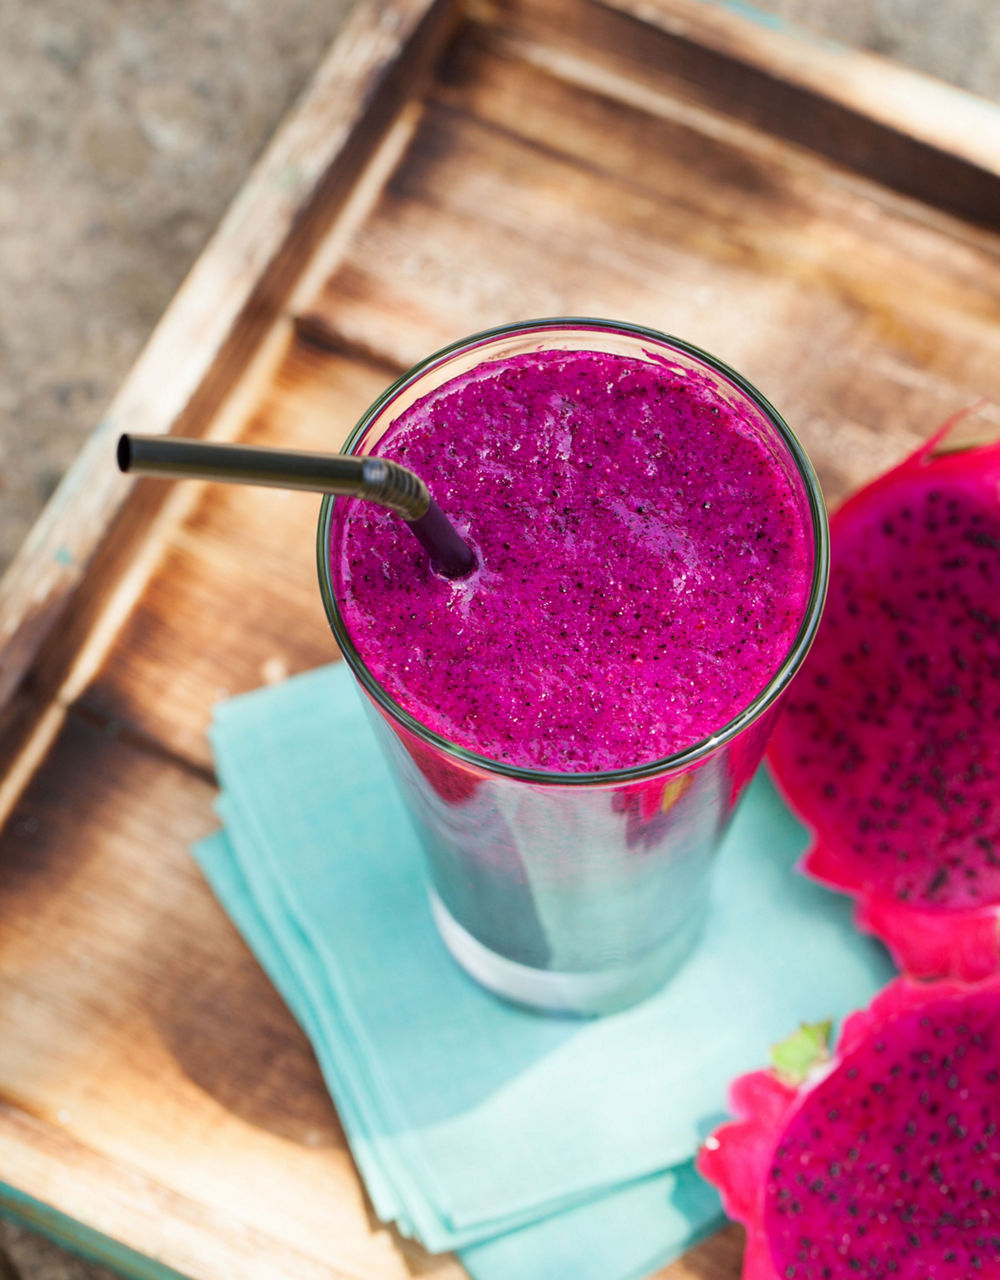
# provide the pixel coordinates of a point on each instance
(470, 1120)
(623, 1234)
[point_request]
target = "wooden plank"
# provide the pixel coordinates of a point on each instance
(228, 302)
(719, 1258)
(865, 326)
(79, 1239)
(920, 136)
(233, 601)
(658, 161)
(157, 1088)
(949, 121)
(135, 542)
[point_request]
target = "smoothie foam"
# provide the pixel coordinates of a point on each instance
(644, 563)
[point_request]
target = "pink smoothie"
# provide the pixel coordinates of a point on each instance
(644, 563)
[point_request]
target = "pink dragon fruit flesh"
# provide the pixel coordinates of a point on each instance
(889, 743)
(885, 1160)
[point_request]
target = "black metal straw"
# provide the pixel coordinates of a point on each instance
(373, 479)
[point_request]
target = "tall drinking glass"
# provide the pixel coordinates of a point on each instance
(575, 892)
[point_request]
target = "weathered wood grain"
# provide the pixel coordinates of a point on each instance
(920, 136)
(234, 601)
(711, 263)
(720, 1258)
(158, 1090)
(230, 299)
(658, 160)
(865, 325)
(157, 1087)
(954, 123)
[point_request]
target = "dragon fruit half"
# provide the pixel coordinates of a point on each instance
(889, 744)
(885, 1160)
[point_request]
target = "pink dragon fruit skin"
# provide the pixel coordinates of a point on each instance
(885, 1162)
(888, 746)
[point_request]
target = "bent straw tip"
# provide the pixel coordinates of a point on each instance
(124, 453)
(450, 554)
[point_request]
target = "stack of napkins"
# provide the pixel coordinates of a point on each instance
(539, 1148)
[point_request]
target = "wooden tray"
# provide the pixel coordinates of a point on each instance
(822, 220)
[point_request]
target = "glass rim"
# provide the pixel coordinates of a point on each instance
(697, 751)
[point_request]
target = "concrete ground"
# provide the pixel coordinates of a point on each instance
(126, 126)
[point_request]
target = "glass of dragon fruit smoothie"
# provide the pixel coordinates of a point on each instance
(572, 725)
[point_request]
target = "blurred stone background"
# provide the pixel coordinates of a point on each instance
(126, 126)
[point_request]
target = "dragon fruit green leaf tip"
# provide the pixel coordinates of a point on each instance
(885, 1161)
(889, 744)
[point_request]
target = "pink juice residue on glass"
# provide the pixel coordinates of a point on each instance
(645, 563)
